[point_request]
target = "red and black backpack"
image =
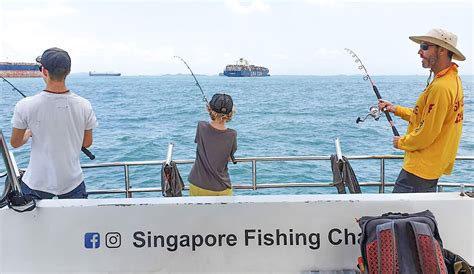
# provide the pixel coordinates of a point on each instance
(401, 243)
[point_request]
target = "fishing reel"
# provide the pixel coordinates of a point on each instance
(374, 112)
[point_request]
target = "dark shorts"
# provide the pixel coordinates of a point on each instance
(410, 183)
(78, 193)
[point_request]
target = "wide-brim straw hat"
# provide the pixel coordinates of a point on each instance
(442, 38)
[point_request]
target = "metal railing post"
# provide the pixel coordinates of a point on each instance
(382, 176)
(128, 194)
(254, 174)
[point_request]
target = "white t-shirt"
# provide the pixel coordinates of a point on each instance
(57, 123)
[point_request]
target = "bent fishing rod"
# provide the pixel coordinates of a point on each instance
(83, 149)
(203, 96)
(367, 77)
(195, 79)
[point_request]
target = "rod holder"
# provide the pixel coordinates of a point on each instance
(169, 155)
(338, 149)
(10, 164)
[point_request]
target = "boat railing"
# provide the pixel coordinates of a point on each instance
(129, 190)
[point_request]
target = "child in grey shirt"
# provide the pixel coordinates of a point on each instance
(216, 144)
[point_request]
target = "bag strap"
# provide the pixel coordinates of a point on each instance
(429, 251)
(456, 264)
(387, 255)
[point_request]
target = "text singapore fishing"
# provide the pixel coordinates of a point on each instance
(251, 237)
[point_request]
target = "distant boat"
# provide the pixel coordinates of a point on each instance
(243, 69)
(19, 70)
(93, 73)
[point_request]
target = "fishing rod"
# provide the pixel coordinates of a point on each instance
(83, 149)
(367, 77)
(14, 88)
(203, 96)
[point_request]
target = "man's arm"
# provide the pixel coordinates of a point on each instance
(19, 137)
(87, 142)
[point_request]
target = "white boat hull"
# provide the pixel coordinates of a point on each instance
(218, 234)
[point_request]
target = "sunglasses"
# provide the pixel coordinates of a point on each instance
(38, 60)
(426, 46)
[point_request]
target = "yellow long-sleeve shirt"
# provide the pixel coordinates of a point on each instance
(435, 126)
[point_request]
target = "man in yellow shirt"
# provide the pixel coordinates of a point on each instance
(435, 123)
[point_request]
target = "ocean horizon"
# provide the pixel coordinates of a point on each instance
(84, 73)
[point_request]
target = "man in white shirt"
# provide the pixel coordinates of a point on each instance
(59, 123)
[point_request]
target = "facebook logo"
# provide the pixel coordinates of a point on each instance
(92, 240)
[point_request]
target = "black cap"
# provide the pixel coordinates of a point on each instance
(54, 59)
(221, 103)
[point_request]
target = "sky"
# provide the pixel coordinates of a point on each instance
(289, 37)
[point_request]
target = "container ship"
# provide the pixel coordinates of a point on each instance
(243, 69)
(19, 70)
(93, 73)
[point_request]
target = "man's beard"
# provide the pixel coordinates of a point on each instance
(429, 62)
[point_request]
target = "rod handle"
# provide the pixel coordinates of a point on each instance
(387, 114)
(377, 93)
(389, 118)
(88, 153)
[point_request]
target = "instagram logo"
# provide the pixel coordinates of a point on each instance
(113, 240)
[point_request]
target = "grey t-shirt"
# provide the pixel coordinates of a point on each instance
(214, 148)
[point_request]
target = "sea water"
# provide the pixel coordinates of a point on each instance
(276, 116)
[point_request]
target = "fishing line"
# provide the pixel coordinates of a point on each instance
(203, 95)
(195, 79)
(83, 149)
(367, 77)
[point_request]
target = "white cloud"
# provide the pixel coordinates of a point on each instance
(140, 40)
(99, 55)
(324, 53)
(54, 9)
(342, 2)
(24, 31)
(247, 7)
(326, 3)
(282, 56)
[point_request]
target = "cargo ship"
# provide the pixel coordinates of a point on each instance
(243, 69)
(19, 70)
(93, 73)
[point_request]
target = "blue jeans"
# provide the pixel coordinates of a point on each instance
(410, 183)
(78, 193)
